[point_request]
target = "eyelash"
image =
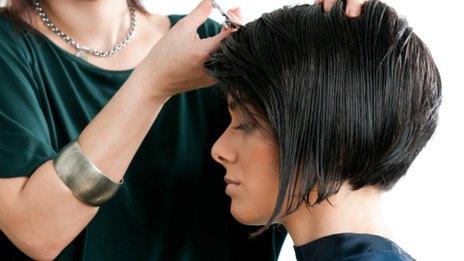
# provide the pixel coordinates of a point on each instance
(244, 127)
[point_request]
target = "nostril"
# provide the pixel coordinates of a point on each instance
(216, 156)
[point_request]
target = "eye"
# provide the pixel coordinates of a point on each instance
(245, 127)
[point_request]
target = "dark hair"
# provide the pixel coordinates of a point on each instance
(20, 11)
(346, 99)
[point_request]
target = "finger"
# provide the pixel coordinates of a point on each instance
(234, 18)
(212, 43)
(225, 29)
(353, 7)
(199, 15)
(328, 4)
(236, 14)
(237, 11)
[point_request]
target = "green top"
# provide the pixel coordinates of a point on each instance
(172, 205)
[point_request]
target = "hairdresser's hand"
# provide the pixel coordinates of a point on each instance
(175, 64)
(353, 7)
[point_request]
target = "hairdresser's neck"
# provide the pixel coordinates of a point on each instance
(351, 211)
(96, 23)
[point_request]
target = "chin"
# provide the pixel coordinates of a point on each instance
(247, 216)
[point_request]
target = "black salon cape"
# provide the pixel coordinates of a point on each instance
(351, 247)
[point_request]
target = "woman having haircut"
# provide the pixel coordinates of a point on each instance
(103, 153)
(327, 112)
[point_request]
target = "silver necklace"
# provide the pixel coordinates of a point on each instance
(82, 51)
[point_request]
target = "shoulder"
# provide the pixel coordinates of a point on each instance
(379, 256)
(12, 44)
(16, 69)
(8, 31)
(12, 28)
(207, 29)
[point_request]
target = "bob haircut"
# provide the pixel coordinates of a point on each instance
(346, 99)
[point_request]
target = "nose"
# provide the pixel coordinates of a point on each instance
(223, 150)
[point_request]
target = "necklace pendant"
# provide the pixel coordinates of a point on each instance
(81, 54)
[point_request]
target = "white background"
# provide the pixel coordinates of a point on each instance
(425, 209)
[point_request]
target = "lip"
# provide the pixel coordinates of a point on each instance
(230, 180)
(232, 184)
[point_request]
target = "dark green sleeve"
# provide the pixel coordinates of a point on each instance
(24, 136)
(209, 28)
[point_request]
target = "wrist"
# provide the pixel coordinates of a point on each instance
(150, 85)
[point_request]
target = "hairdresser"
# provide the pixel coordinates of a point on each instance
(105, 133)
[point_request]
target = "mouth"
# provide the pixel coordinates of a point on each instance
(231, 185)
(230, 180)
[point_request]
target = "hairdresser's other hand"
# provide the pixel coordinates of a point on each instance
(235, 15)
(175, 63)
(353, 7)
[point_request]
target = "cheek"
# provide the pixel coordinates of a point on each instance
(259, 165)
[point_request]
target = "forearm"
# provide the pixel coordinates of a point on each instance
(111, 140)
(45, 216)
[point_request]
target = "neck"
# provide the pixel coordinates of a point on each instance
(94, 23)
(348, 212)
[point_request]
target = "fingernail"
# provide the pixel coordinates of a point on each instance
(353, 12)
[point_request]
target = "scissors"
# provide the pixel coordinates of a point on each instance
(228, 22)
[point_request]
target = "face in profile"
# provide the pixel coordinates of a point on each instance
(251, 161)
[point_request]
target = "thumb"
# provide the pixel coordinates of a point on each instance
(199, 15)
